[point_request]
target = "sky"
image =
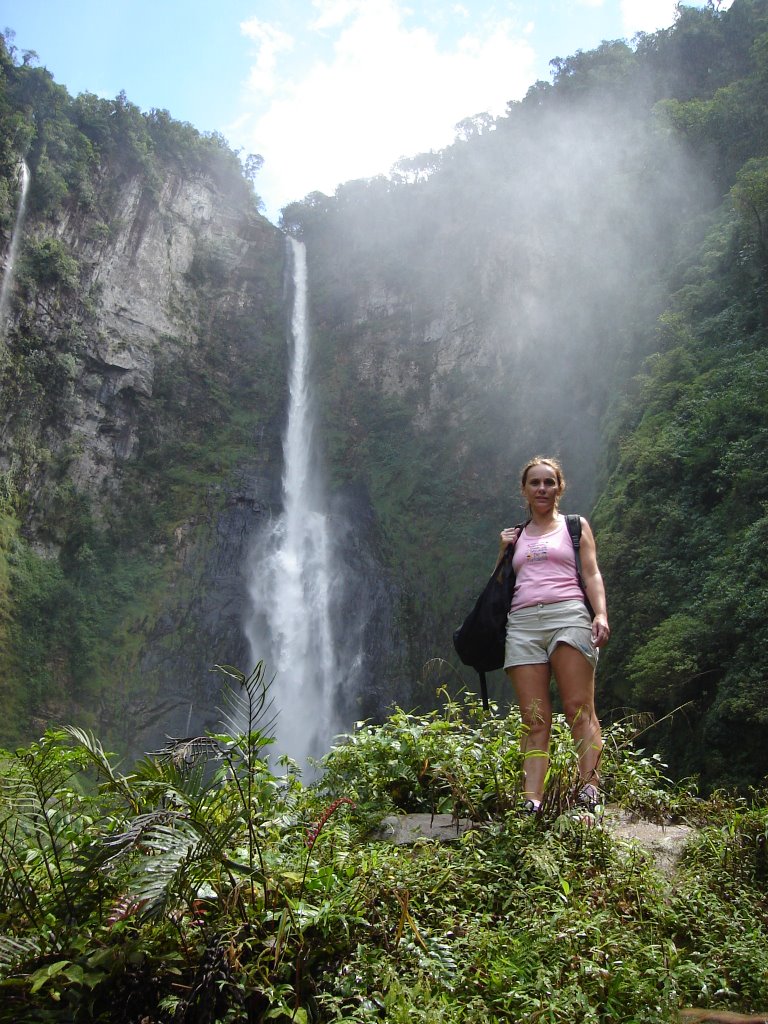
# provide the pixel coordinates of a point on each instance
(325, 91)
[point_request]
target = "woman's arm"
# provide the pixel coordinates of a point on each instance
(593, 584)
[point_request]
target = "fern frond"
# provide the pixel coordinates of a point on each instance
(43, 812)
(125, 842)
(164, 842)
(100, 759)
(177, 862)
(159, 877)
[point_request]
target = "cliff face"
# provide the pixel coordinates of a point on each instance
(146, 377)
(587, 279)
(143, 394)
(146, 304)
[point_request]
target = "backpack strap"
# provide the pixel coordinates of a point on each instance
(574, 528)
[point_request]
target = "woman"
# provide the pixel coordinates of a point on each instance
(549, 631)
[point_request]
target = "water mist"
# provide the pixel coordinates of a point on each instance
(10, 263)
(296, 578)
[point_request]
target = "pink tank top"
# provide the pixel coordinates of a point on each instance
(545, 569)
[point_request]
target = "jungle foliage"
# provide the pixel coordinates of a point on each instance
(202, 886)
(71, 141)
(683, 515)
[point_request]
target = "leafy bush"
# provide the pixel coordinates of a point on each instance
(48, 264)
(193, 863)
(456, 761)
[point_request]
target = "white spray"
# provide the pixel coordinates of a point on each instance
(10, 263)
(292, 578)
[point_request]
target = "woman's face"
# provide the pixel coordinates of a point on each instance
(541, 489)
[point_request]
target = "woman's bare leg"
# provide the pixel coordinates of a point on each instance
(575, 679)
(531, 683)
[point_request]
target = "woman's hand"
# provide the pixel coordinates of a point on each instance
(601, 631)
(507, 537)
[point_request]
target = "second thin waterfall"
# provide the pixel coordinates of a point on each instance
(293, 582)
(10, 262)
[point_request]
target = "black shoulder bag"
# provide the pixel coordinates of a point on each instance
(480, 639)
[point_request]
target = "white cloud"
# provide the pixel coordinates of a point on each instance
(387, 91)
(271, 42)
(647, 15)
(334, 12)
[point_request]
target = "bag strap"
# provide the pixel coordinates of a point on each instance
(483, 690)
(574, 528)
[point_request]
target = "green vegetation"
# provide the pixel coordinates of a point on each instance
(68, 142)
(202, 887)
(682, 519)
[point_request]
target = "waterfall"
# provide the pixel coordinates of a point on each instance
(10, 262)
(295, 577)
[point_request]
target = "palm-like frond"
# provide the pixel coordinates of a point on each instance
(184, 753)
(249, 707)
(193, 807)
(186, 843)
(159, 878)
(172, 855)
(91, 746)
(16, 950)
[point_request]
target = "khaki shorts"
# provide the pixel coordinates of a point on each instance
(533, 633)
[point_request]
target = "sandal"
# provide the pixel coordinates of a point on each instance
(529, 807)
(589, 800)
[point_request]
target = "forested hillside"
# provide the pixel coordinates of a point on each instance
(585, 275)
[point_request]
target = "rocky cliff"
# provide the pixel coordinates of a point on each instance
(147, 306)
(142, 400)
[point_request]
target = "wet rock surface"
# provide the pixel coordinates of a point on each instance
(665, 843)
